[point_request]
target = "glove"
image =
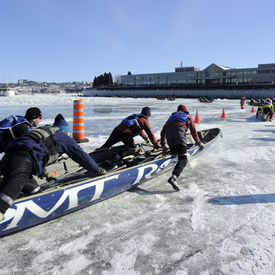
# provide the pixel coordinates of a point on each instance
(48, 175)
(201, 146)
(165, 149)
(157, 146)
(101, 172)
(147, 140)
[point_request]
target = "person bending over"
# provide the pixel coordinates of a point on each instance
(174, 130)
(130, 127)
(28, 155)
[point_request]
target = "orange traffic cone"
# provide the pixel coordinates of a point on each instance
(197, 119)
(223, 114)
(78, 122)
(253, 111)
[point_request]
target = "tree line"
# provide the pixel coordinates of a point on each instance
(107, 80)
(103, 80)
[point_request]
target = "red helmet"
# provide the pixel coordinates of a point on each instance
(268, 100)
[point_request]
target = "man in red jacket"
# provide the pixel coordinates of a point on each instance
(175, 131)
(243, 98)
(130, 127)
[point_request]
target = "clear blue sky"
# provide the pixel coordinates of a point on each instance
(76, 40)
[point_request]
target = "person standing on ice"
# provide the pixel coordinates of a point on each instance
(174, 130)
(130, 127)
(28, 155)
(243, 98)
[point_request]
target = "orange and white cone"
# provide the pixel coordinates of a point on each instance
(223, 114)
(78, 122)
(252, 110)
(197, 119)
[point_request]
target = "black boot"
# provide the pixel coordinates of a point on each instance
(173, 181)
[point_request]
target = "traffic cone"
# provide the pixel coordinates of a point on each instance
(253, 111)
(223, 114)
(197, 119)
(78, 122)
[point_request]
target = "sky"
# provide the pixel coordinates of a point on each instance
(220, 222)
(67, 40)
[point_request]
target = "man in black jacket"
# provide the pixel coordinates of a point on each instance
(28, 155)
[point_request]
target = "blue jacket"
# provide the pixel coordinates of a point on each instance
(63, 144)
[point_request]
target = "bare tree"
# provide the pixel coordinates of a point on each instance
(118, 79)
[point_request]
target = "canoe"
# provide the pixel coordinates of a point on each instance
(206, 100)
(76, 188)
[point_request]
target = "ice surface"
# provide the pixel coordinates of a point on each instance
(221, 222)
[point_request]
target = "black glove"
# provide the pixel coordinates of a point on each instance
(48, 175)
(201, 146)
(157, 146)
(101, 172)
(165, 149)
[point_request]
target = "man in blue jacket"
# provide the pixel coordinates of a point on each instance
(15, 126)
(28, 155)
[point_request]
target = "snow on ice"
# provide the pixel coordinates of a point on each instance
(221, 222)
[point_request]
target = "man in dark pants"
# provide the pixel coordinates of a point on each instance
(15, 126)
(174, 131)
(268, 108)
(28, 155)
(130, 127)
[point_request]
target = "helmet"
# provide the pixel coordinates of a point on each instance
(267, 100)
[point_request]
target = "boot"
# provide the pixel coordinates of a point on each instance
(173, 181)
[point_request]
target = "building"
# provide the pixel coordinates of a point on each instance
(212, 75)
(22, 81)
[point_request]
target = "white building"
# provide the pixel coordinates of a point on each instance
(212, 75)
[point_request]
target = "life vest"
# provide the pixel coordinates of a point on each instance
(267, 104)
(132, 123)
(179, 116)
(45, 134)
(10, 122)
(8, 127)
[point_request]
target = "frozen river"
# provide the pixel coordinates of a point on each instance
(221, 222)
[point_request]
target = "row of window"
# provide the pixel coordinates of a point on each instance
(202, 78)
(228, 73)
(152, 83)
(191, 81)
(159, 77)
(178, 76)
